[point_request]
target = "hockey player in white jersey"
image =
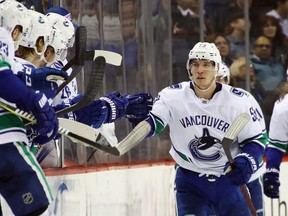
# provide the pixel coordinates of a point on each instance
(22, 182)
(254, 185)
(199, 113)
(276, 148)
(17, 20)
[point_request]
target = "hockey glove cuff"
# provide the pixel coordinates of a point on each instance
(116, 105)
(240, 171)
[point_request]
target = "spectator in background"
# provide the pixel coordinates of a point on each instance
(74, 8)
(90, 19)
(222, 44)
(185, 33)
(269, 71)
(281, 14)
(235, 34)
(216, 11)
(269, 27)
(238, 78)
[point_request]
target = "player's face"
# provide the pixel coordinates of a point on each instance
(203, 72)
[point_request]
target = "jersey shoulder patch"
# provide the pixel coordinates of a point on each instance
(175, 86)
(238, 92)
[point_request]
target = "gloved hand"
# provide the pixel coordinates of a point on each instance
(43, 79)
(46, 127)
(139, 107)
(271, 183)
(116, 105)
(240, 171)
(93, 115)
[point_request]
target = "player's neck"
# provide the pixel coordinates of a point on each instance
(205, 93)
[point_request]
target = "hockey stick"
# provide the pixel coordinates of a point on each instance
(131, 140)
(110, 57)
(74, 130)
(82, 55)
(227, 141)
(93, 87)
(79, 57)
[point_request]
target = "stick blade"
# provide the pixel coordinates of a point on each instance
(138, 134)
(110, 57)
(237, 125)
(233, 131)
(93, 87)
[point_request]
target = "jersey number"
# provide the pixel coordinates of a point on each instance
(256, 115)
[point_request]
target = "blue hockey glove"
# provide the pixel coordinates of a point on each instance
(116, 105)
(93, 114)
(46, 127)
(271, 183)
(139, 107)
(240, 171)
(43, 79)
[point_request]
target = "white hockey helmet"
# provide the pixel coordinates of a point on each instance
(59, 44)
(12, 14)
(205, 51)
(6, 47)
(64, 25)
(41, 28)
(224, 73)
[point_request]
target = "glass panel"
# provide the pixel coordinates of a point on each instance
(154, 38)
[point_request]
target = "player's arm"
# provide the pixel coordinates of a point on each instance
(276, 148)
(43, 79)
(15, 91)
(110, 108)
(159, 115)
(252, 148)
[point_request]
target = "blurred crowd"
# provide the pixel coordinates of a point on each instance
(226, 26)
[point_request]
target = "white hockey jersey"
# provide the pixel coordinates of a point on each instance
(12, 128)
(278, 132)
(197, 126)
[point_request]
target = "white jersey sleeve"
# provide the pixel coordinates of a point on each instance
(6, 47)
(278, 131)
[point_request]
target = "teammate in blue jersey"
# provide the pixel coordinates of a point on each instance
(22, 182)
(199, 113)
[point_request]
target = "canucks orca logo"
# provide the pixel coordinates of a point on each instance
(206, 148)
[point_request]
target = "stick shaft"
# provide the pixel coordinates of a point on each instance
(227, 141)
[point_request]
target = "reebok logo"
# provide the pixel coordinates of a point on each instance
(42, 101)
